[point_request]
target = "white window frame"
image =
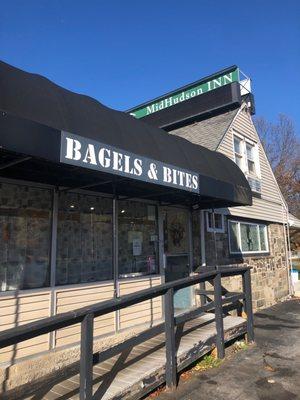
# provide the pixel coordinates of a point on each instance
(243, 155)
(239, 239)
(252, 159)
(217, 230)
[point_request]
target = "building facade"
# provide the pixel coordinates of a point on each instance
(254, 235)
(95, 204)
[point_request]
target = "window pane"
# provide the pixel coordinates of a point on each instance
(210, 220)
(238, 161)
(263, 244)
(84, 239)
(237, 145)
(249, 237)
(138, 238)
(249, 149)
(25, 228)
(218, 221)
(233, 232)
(251, 167)
(176, 231)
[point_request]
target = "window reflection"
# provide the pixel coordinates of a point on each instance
(84, 239)
(249, 238)
(25, 228)
(176, 231)
(234, 239)
(245, 237)
(137, 239)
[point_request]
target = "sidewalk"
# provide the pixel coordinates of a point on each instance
(270, 370)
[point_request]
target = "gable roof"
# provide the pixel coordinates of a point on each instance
(208, 132)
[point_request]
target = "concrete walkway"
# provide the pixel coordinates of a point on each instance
(268, 370)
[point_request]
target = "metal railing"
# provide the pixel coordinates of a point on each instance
(85, 316)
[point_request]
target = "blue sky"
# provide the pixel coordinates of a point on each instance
(126, 52)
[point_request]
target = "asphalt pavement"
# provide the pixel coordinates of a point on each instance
(267, 370)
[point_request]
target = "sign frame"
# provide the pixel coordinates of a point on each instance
(88, 153)
(188, 92)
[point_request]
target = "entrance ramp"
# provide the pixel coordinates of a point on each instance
(133, 368)
(136, 370)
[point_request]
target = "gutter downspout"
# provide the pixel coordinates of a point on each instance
(203, 256)
(292, 288)
(215, 239)
(287, 246)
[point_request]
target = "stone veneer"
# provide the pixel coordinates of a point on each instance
(269, 275)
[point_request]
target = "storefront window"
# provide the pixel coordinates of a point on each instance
(138, 238)
(84, 239)
(25, 228)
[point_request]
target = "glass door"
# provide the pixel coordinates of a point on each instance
(177, 252)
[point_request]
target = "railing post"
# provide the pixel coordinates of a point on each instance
(202, 296)
(219, 316)
(171, 363)
(86, 358)
(246, 277)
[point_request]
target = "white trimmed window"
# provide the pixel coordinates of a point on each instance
(250, 156)
(246, 156)
(214, 223)
(238, 151)
(247, 238)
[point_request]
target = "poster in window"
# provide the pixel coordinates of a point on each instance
(136, 247)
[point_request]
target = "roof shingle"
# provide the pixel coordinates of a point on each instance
(209, 132)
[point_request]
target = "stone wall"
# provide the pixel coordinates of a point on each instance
(269, 272)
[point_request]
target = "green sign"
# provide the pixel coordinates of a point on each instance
(186, 94)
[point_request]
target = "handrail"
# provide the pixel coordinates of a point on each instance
(86, 315)
(15, 335)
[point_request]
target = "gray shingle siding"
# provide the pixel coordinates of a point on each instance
(209, 132)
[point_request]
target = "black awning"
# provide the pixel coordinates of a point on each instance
(35, 111)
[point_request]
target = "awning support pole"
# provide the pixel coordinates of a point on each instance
(215, 239)
(115, 254)
(203, 257)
